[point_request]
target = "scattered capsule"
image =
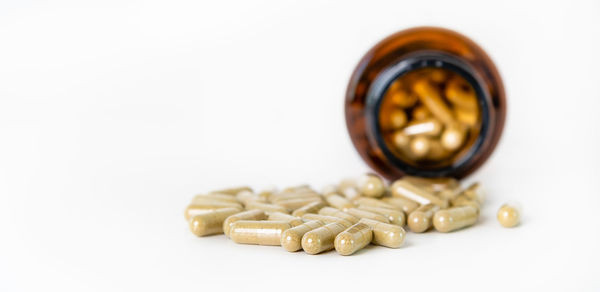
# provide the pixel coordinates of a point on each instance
(403, 99)
(375, 203)
(216, 197)
(371, 185)
(313, 207)
(384, 234)
(453, 136)
(209, 201)
(461, 94)
(466, 116)
(454, 218)
(419, 146)
(258, 232)
(338, 201)
(349, 192)
(400, 139)
(404, 189)
(433, 184)
(326, 219)
(232, 191)
(432, 99)
(405, 205)
(358, 213)
(278, 216)
(194, 210)
(337, 213)
(427, 127)
(322, 238)
(246, 215)
(302, 187)
(252, 205)
(247, 196)
(475, 192)
(509, 215)
(421, 219)
(463, 200)
(395, 217)
(293, 204)
(437, 151)
(211, 222)
(420, 113)
(291, 239)
(353, 239)
(397, 119)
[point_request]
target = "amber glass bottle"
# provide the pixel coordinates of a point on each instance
(427, 102)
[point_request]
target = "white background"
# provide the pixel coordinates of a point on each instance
(114, 114)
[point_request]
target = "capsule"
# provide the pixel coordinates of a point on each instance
(475, 192)
(419, 146)
(466, 116)
(322, 238)
(253, 205)
(353, 239)
(432, 99)
(405, 205)
(397, 119)
(233, 191)
(404, 189)
(297, 188)
(338, 201)
(433, 184)
(509, 215)
(209, 201)
(258, 232)
(454, 218)
(428, 127)
(278, 216)
(211, 222)
(384, 234)
(375, 203)
(326, 219)
(247, 196)
(294, 204)
(349, 192)
(216, 197)
(313, 207)
(291, 239)
(370, 185)
(246, 215)
(294, 196)
(358, 213)
(403, 99)
(463, 200)
(420, 113)
(421, 219)
(194, 210)
(337, 213)
(395, 217)
(461, 94)
(400, 139)
(453, 136)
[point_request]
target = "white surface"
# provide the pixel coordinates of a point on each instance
(113, 114)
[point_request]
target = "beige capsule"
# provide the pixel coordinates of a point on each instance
(232, 191)
(400, 139)
(205, 200)
(404, 189)
(329, 189)
(258, 232)
(278, 216)
(475, 192)
(253, 205)
(211, 222)
(246, 215)
(395, 217)
(326, 219)
(301, 187)
(247, 196)
(293, 204)
(463, 200)
(428, 127)
(322, 238)
(453, 137)
(384, 234)
(217, 197)
(509, 215)
(461, 94)
(371, 185)
(313, 207)
(405, 205)
(349, 192)
(199, 209)
(396, 119)
(353, 239)
(432, 99)
(358, 213)
(337, 213)
(454, 218)
(449, 194)
(433, 184)
(419, 146)
(294, 196)
(437, 151)
(291, 239)
(375, 203)
(420, 113)
(421, 219)
(338, 201)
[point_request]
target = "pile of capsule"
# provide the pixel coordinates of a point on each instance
(429, 114)
(345, 217)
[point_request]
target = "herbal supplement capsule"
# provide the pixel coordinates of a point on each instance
(437, 151)
(384, 234)
(421, 219)
(437, 75)
(217, 197)
(453, 136)
(428, 127)
(208, 201)
(302, 187)
(358, 213)
(403, 99)
(353, 239)
(431, 98)
(294, 195)
(397, 119)
(278, 216)
(291, 239)
(246, 215)
(370, 185)
(338, 201)
(326, 219)
(509, 215)
(337, 213)
(404, 189)
(466, 116)
(329, 189)
(461, 94)
(233, 191)
(395, 217)
(420, 113)
(247, 196)
(350, 192)
(252, 205)
(194, 210)
(293, 204)
(463, 200)
(375, 203)
(258, 232)
(322, 238)
(419, 146)
(449, 194)
(313, 207)
(433, 184)
(405, 205)
(475, 192)
(400, 139)
(211, 222)
(454, 218)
